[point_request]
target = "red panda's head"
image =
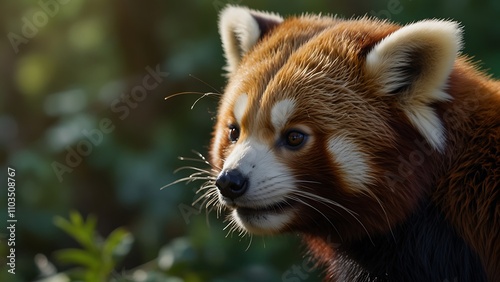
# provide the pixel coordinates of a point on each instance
(320, 118)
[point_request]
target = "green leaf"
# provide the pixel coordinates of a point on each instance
(66, 226)
(99, 256)
(79, 257)
(76, 218)
(118, 244)
(91, 224)
(83, 232)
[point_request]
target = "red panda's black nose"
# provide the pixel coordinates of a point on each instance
(231, 183)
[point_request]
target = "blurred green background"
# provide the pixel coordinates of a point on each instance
(84, 123)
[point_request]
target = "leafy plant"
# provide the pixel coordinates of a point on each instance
(98, 257)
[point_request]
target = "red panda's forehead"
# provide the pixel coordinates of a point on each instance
(305, 72)
(302, 48)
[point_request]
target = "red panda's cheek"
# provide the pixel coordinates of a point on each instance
(352, 162)
(332, 164)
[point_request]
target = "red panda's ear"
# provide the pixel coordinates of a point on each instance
(240, 28)
(413, 64)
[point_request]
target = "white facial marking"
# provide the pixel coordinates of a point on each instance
(243, 156)
(425, 119)
(281, 112)
(351, 161)
(240, 106)
(269, 183)
(262, 224)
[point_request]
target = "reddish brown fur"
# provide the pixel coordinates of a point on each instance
(462, 182)
(468, 189)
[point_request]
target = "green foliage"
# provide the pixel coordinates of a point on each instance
(97, 258)
(197, 258)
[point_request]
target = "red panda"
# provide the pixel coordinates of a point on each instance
(378, 143)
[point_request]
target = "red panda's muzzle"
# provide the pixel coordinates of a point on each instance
(231, 183)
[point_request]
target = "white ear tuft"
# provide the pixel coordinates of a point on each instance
(240, 28)
(414, 64)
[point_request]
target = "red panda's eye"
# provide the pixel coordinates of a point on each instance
(294, 139)
(234, 133)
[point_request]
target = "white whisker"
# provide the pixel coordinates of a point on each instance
(206, 83)
(333, 203)
(207, 196)
(203, 197)
(203, 96)
(192, 168)
(322, 214)
(249, 243)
